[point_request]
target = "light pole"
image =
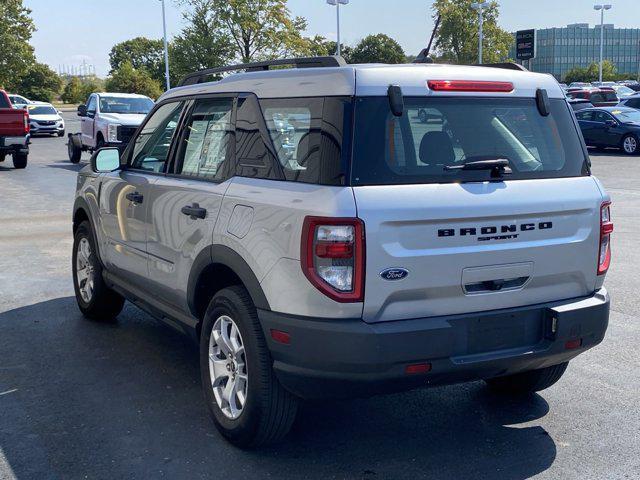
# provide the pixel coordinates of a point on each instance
(479, 6)
(337, 4)
(166, 47)
(602, 8)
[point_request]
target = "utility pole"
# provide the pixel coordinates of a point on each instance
(602, 8)
(166, 47)
(479, 6)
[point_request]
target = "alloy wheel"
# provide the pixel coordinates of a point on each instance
(85, 273)
(630, 145)
(228, 367)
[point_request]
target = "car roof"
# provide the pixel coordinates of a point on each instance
(120, 95)
(613, 109)
(41, 104)
(368, 80)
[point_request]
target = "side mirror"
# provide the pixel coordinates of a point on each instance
(82, 110)
(611, 123)
(105, 160)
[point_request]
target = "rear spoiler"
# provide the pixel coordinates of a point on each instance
(504, 65)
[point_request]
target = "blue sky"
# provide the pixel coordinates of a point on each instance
(77, 30)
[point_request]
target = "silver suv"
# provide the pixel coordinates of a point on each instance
(338, 230)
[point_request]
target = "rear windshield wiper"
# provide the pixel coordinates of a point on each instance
(498, 166)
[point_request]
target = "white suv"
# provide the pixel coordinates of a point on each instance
(321, 238)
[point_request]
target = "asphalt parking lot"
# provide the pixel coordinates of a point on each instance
(85, 400)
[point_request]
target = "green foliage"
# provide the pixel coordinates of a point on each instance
(40, 83)
(256, 29)
(77, 90)
(457, 37)
(591, 73)
(16, 55)
(129, 80)
(200, 45)
(378, 48)
(141, 53)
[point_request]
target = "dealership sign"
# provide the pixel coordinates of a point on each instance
(525, 44)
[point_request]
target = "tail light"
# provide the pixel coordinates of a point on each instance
(606, 227)
(26, 125)
(332, 256)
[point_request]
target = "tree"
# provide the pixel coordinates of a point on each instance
(200, 45)
(378, 48)
(72, 92)
(129, 80)
(457, 38)
(16, 55)
(592, 73)
(40, 83)
(141, 53)
(319, 46)
(257, 29)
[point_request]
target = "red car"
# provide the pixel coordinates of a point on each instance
(600, 97)
(14, 132)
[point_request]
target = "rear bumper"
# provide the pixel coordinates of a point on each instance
(14, 144)
(345, 358)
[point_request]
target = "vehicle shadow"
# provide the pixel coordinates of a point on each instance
(81, 399)
(75, 167)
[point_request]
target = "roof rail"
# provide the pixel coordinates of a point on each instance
(505, 65)
(307, 62)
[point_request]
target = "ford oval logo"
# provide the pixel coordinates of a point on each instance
(394, 273)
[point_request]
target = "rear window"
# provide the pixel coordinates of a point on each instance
(435, 133)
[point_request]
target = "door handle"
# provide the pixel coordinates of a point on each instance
(134, 197)
(194, 211)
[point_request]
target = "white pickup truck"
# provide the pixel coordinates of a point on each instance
(108, 120)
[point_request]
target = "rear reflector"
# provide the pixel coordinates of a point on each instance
(417, 368)
(280, 336)
(469, 86)
(571, 344)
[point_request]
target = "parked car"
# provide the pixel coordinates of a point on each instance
(45, 119)
(623, 91)
(601, 97)
(18, 101)
(617, 127)
(107, 120)
(580, 85)
(319, 240)
(14, 132)
(632, 101)
(578, 104)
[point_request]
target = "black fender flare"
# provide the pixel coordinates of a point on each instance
(223, 255)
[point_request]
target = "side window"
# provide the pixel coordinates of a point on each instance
(597, 98)
(253, 157)
(151, 146)
(91, 106)
(602, 117)
(205, 143)
(633, 103)
(584, 115)
(306, 134)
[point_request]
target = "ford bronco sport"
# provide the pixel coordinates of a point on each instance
(320, 238)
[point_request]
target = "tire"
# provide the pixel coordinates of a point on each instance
(268, 410)
(61, 134)
(528, 382)
(100, 303)
(3, 157)
(74, 150)
(99, 142)
(20, 160)
(630, 145)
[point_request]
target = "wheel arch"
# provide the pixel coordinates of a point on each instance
(82, 212)
(218, 267)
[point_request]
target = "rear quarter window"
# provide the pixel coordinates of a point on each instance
(4, 102)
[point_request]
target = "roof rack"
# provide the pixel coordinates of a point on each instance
(505, 65)
(307, 62)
